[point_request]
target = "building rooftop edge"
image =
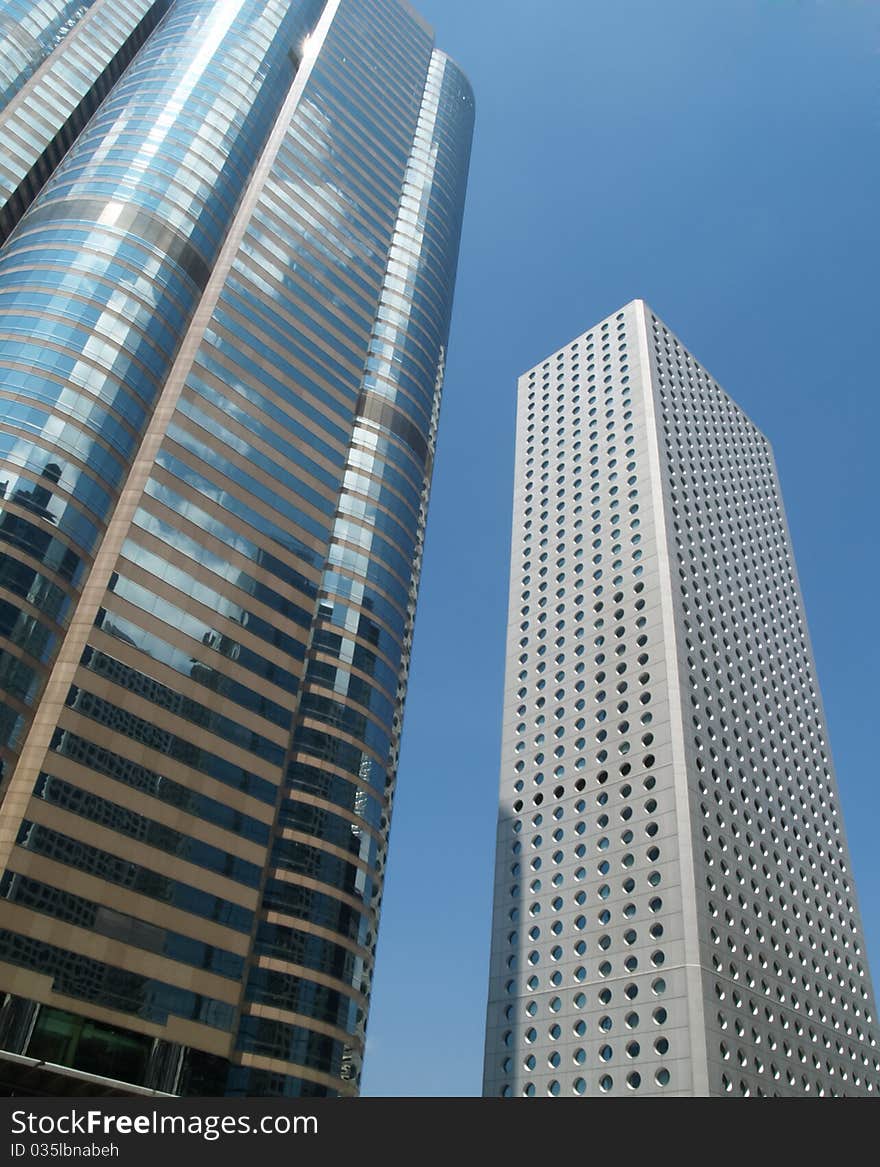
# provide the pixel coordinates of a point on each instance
(589, 328)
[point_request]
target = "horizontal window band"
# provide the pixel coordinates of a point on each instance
(130, 220)
(375, 408)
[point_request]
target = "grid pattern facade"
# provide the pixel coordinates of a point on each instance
(225, 323)
(672, 912)
(788, 1000)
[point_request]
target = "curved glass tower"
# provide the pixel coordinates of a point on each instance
(58, 61)
(223, 324)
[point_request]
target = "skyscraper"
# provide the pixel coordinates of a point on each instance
(674, 909)
(223, 325)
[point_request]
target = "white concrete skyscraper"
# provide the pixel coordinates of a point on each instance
(674, 908)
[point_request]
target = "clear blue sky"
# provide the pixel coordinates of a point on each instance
(718, 158)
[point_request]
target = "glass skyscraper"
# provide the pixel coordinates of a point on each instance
(225, 298)
(674, 909)
(58, 60)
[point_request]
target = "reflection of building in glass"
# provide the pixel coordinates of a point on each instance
(674, 911)
(223, 323)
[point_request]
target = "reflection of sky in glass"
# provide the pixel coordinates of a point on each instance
(44, 26)
(218, 20)
(184, 582)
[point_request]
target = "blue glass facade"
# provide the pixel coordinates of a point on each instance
(58, 61)
(222, 336)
